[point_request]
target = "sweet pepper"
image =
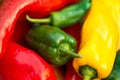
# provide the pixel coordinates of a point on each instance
(20, 63)
(10, 11)
(53, 44)
(99, 41)
(67, 16)
(115, 74)
(115, 12)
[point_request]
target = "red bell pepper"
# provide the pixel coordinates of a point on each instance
(19, 63)
(11, 10)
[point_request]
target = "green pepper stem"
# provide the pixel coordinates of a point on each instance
(71, 53)
(88, 72)
(33, 20)
(86, 78)
(65, 48)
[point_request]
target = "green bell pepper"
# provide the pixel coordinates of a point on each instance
(115, 74)
(52, 43)
(67, 16)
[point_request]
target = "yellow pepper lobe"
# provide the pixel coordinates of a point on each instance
(99, 38)
(115, 12)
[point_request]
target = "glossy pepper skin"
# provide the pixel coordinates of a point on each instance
(52, 43)
(115, 74)
(115, 12)
(10, 11)
(99, 39)
(67, 16)
(20, 63)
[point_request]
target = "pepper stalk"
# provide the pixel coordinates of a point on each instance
(67, 16)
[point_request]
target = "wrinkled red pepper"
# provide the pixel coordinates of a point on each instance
(10, 11)
(20, 63)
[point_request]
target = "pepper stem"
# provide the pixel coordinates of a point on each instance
(66, 50)
(88, 72)
(33, 20)
(87, 78)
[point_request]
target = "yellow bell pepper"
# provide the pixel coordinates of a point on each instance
(115, 12)
(99, 40)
